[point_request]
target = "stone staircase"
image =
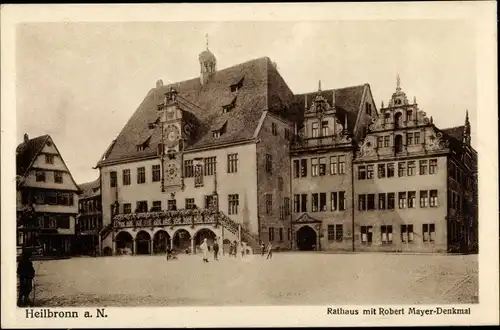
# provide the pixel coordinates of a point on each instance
(246, 236)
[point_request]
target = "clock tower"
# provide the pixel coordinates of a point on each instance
(172, 143)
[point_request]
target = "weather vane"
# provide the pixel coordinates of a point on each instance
(206, 37)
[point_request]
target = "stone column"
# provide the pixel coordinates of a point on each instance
(133, 247)
(171, 243)
(193, 251)
(114, 247)
(222, 239)
(151, 243)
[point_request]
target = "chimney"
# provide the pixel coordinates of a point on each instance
(305, 102)
(26, 137)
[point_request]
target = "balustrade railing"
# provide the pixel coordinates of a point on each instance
(165, 218)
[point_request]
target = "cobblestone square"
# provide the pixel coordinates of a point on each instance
(286, 279)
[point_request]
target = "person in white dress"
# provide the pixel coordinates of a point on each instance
(204, 250)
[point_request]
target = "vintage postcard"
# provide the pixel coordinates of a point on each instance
(249, 165)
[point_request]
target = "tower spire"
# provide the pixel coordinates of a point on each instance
(319, 86)
(398, 83)
(206, 39)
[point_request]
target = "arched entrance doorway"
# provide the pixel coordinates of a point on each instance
(124, 243)
(202, 234)
(182, 240)
(143, 243)
(161, 241)
(306, 239)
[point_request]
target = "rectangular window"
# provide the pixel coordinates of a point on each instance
(406, 233)
(401, 169)
(49, 159)
(63, 222)
(232, 163)
(274, 129)
(412, 196)
(172, 205)
(333, 165)
(390, 201)
(127, 208)
(339, 233)
(381, 201)
(126, 177)
(433, 198)
(303, 168)
(341, 200)
(58, 177)
(287, 205)
(333, 201)
(409, 139)
(315, 202)
(424, 198)
(342, 164)
(370, 204)
(386, 232)
(322, 202)
(314, 166)
(366, 234)
(361, 172)
(402, 200)
(271, 234)
(428, 232)
(112, 179)
(142, 206)
(381, 171)
(324, 128)
(269, 204)
(416, 137)
(411, 168)
(233, 203)
(210, 165)
(368, 108)
(141, 175)
(432, 166)
(296, 203)
(296, 168)
(155, 169)
(188, 168)
(369, 171)
(189, 204)
(386, 141)
(362, 202)
(287, 134)
(390, 170)
(380, 142)
(289, 236)
(269, 164)
(423, 167)
(322, 166)
(303, 202)
(156, 206)
(280, 231)
(331, 232)
(315, 130)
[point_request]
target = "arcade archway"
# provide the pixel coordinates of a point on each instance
(161, 242)
(124, 243)
(182, 240)
(202, 234)
(143, 243)
(306, 239)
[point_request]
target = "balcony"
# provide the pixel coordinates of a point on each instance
(166, 218)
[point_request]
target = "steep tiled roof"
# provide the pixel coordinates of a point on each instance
(456, 132)
(347, 101)
(90, 189)
(26, 153)
(262, 89)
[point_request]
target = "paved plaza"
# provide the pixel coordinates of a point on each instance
(287, 279)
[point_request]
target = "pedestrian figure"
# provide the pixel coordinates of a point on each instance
(269, 251)
(26, 273)
(262, 249)
(216, 250)
(235, 248)
(204, 250)
(242, 249)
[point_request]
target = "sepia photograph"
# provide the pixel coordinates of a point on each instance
(219, 163)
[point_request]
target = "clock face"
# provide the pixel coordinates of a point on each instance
(172, 135)
(172, 171)
(170, 113)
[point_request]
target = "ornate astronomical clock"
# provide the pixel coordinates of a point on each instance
(172, 140)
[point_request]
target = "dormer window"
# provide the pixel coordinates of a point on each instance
(154, 124)
(236, 86)
(230, 106)
(368, 108)
(216, 134)
(144, 145)
(219, 130)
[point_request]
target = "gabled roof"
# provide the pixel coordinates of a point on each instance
(262, 88)
(347, 101)
(456, 133)
(90, 189)
(26, 153)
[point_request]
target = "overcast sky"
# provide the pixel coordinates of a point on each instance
(81, 82)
